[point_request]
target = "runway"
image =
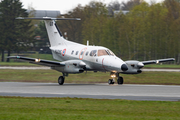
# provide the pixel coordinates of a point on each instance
(97, 91)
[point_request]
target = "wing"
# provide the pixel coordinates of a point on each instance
(38, 61)
(157, 61)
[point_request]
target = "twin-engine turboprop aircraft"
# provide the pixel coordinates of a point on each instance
(77, 58)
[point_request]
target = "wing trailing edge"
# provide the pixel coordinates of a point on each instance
(38, 61)
(157, 61)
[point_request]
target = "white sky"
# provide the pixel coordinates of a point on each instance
(63, 5)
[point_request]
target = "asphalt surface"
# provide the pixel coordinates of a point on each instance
(97, 91)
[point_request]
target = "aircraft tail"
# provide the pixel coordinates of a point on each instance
(55, 36)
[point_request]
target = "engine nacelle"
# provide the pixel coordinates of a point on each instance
(133, 67)
(71, 66)
(134, 71)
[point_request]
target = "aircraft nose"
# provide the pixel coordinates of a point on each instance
(124, 67)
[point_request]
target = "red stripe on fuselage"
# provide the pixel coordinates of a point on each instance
(103, 65)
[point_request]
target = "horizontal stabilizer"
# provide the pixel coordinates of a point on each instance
(47, 18)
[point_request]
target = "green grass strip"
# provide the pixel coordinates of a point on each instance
(162, 78)
(16, 108)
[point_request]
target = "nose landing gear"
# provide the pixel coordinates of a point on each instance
(120, 80)
(111, 81)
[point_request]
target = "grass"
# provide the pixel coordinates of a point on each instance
(163, 78)
(13, 108)
(168, 66)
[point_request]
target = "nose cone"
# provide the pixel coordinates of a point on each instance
(82, 64)
(124, 67)
(140, 65)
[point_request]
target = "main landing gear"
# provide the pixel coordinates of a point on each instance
(120, 80)
(62, 78)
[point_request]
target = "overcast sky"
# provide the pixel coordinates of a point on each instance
(63, 5)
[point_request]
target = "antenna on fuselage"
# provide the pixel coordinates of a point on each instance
(87, 43)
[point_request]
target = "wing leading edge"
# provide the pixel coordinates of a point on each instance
(38, 61)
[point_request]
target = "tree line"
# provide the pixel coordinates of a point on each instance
(147, 31)
(15, 35)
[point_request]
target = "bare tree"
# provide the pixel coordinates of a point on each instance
(130, 4)
(113, 6)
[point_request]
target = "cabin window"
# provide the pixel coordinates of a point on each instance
(82, 52)
(72, 52)
(87, 53)
(77, 52)
(93, 53)
(102, 52)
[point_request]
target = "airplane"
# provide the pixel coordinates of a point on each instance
(77, 58)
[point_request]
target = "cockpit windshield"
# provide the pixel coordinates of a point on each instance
(102, 52)
(105, 52)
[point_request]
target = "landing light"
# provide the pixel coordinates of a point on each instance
(113, 76)
(157, 61)
(37, 60)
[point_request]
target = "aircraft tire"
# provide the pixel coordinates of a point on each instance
(61, 80)
(120, 80)
(110, 81)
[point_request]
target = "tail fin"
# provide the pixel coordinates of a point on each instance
(55, 35)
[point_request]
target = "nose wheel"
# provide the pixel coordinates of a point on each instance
(120, 80)
(111, 81)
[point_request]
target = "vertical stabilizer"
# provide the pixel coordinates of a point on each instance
(54, 34)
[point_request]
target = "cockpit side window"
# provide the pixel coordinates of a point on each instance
(110, 52)
(102, 52)
(93, 53)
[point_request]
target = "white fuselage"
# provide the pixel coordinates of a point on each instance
(94, 62)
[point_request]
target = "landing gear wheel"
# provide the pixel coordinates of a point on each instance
(61, 80)
(120, 80)
(111, 81)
